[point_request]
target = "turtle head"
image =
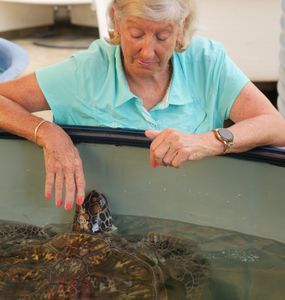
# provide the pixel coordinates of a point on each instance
(94, 215)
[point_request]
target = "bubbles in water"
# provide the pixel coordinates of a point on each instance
(241, 255)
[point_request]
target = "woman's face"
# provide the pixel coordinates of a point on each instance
(147, 46)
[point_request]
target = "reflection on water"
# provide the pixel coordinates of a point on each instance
(242, 266)
(224, 264)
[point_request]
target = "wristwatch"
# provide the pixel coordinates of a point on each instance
(226, 137)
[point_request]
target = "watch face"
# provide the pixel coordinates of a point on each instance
(226, 134)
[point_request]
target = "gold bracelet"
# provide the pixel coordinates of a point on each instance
(34, 139)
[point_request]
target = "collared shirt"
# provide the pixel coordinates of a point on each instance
(90, 88)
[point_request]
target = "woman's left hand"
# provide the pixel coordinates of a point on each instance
(171, 147)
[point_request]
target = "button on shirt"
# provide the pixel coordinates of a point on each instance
(90, 88)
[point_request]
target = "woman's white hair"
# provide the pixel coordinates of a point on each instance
(181, 11)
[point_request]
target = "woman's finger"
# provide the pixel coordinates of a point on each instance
(161, 152)
(179, 159)
(80, 182)
(49, 181)
(163, 143)
(59, 180)
(170, 155)
(158, 148)
(69, 189)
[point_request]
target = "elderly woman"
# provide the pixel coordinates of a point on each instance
(151, 75)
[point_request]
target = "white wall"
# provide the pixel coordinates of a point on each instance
(15, 16)
(83, 15)
(249, 29)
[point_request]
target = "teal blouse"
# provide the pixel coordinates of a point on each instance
(90, 88)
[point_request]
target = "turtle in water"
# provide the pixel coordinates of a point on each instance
(94, 262)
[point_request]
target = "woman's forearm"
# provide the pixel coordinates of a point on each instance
(18, 99)
(16, 119)
(267, 129)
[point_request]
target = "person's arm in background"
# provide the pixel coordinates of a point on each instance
(257, 123)
(18, 99)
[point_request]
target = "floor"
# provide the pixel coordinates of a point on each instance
(41, 56)
(51, 47)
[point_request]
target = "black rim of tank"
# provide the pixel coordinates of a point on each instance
(137, 138)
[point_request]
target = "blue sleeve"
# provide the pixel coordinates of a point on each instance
(60, 87)
(223, 81)
(216, 79)
(71, 85)
(229, 81)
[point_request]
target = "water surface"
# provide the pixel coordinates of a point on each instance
(241, 266)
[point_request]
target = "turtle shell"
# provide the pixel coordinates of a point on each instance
(92, 262)
(80, 266)
(101, 266)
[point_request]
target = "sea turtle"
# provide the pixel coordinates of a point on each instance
(94, 262)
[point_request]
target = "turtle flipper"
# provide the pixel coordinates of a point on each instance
(181, 261)
(13, 231)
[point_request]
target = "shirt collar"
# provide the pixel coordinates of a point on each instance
(177, 93)
(123, 91)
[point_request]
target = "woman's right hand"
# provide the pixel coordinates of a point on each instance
(18, 98)
(64, 170)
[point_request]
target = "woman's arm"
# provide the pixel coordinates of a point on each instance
(257, 123)
(18, 99)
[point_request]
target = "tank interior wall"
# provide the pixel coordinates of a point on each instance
(221, 192)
